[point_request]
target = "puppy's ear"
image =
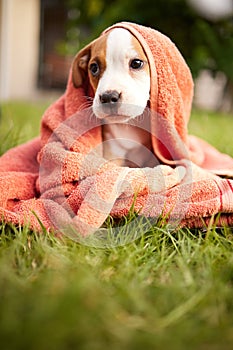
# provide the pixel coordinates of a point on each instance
(80, 66)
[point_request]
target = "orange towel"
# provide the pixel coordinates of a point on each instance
(62, 181)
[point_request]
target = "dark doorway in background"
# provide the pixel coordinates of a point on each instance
(53, 67)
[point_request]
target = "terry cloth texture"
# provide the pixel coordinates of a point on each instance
(61, 180)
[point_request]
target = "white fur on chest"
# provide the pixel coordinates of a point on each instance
(127, 145)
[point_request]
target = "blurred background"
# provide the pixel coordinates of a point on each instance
(38, 39)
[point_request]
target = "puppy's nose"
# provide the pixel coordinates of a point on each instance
(111, 96)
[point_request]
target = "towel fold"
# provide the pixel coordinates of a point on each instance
(62, 182)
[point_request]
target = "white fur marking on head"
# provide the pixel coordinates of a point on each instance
(133, 87)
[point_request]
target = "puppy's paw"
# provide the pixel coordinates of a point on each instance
(164, 177)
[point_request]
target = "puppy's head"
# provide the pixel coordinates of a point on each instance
(118, 72)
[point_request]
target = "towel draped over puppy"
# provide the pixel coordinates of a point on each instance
(62, 180)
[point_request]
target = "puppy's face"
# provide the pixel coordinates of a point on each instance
(118, 72)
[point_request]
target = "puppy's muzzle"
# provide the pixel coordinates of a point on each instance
(110, 101)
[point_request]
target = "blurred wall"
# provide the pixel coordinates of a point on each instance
(19, 48)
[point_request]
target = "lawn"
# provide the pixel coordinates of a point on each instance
(166, 290)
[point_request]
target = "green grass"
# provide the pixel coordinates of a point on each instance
(166, 290)
(19, 121)
(213, 127)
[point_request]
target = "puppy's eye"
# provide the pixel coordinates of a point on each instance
(94, 69)
(136, 63)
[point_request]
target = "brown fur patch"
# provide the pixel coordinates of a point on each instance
(98, 55)
(141, 54)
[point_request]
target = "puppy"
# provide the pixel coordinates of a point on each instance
(119, 74)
